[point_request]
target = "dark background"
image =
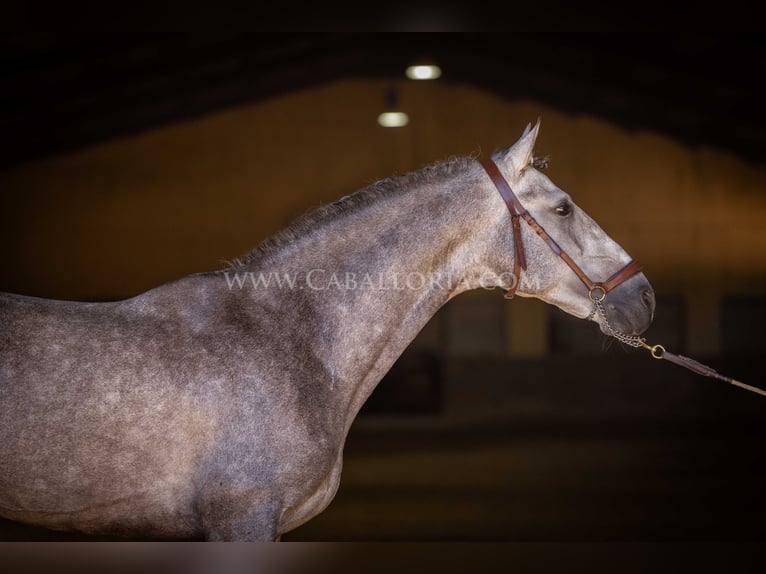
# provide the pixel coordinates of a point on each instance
(66, 89)
(669, 457)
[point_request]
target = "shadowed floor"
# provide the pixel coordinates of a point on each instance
(563, 484)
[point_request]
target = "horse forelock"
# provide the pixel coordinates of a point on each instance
(540, 163)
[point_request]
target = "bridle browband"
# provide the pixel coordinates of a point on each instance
(596, 290)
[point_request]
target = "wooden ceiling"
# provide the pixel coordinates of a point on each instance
(60, 92)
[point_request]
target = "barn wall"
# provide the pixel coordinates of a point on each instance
(120, 217)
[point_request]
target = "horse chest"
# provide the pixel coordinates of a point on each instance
(313, 502)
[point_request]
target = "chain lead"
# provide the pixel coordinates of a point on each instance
(630, 340)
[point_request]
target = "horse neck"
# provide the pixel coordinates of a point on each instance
(367, 282)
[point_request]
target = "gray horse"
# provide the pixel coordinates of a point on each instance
(217, 405)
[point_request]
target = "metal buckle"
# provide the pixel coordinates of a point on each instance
(593, 293)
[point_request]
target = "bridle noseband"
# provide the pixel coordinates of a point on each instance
(597, 290)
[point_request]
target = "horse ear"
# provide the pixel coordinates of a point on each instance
(527, 130)
(519, 155)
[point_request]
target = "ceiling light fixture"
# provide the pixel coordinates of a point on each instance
(423, 72)
(392, 117)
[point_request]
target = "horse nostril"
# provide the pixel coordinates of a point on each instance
(647, 296)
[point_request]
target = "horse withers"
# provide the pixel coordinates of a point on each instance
(217, 406)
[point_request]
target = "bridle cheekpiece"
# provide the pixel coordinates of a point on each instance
(597, 290)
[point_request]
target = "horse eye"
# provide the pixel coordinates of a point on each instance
(564, 209)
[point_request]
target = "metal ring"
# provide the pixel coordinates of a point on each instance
(595, 298)
(658, 351)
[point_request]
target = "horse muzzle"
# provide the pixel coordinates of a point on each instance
(629, 307)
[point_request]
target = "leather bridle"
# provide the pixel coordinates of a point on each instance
(597, 290)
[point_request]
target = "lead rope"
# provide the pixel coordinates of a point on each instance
(658, 351)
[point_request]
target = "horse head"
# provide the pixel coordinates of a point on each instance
(569, 258)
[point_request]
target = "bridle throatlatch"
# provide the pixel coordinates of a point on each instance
(597, 291)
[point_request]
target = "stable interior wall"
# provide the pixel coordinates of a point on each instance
(119, 217)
